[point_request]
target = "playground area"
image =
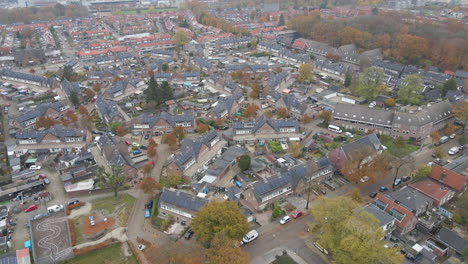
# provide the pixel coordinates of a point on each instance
(93, 224)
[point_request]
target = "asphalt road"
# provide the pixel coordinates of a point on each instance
(293, 236)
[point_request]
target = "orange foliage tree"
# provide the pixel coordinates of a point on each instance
(282, 112)
(251, 110)
(45, 122)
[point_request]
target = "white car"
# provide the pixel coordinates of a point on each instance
(348, 134)
(453, 150)
(285, 220)
(364, 179)
(141, 247)
(54, 208)
(34, 167)
(253, 234)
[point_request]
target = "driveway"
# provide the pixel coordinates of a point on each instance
(293, 236)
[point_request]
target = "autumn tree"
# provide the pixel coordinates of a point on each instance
(179, 133)
(351, 235)
(152, 143)
(250, 111)
(71, 116)
(219, 121)
(451, 128)
(460, 111)
(253, 95)
(226, 250)
(435, 136)
(295, 149)
(439, 153)
(326, 116)
(120, 131)
(356, 195)
(219, 218)
(147, 168)
(370, 83)
(45, 122)
(113, 179)
(410, 90)
(389, 102)
(282, 112)
(149, 185)
(305, 73)
(269, 114)
(97, 87)
(181, 37)
(363, 161)
(202, 128)
(410, 49)
(90, 93)
(174, 177)
(170, 139)
(422, 173)
(151, 151)
(83, 111)
(305, 118)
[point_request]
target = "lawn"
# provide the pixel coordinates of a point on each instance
(389, 143)
(109, 255)
(285, 259)
(78, 227)
(121, 206)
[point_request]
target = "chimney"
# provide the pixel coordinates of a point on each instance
(442, 176)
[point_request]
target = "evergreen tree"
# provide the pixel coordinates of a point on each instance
(152, 91)
(74, 98)
(166, 91)
(347, 81)
(281, 20)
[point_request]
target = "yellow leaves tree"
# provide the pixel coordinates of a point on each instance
(225, 250)
(460, 111)
(435, 136)
(305, 73)
(305, 118)
(202, 128)
(181, 37)
(282, 112)
(149, 185)
(451, 128)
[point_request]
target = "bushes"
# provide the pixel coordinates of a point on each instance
(73, 206)
(277, 212)
(275, 146)
(85, 250)
(154, 209)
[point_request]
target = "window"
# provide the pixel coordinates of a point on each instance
(380, 204)
(396, 214)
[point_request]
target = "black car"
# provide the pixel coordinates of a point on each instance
(437, 143)
(188, 234)
(143, 147)
(224, 128)
(147, 137)
(149, 204)
(373, 194)
(72, 201)
(405, 178)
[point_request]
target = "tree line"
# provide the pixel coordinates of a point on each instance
(403, 38)
(28, 14)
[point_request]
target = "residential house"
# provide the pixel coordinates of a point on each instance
(362, 150)
(162, 76)
(204, 64)
(54, 139)
(416, 126)
(194, 154)
(116, 154)
(163, 123)
(71, 87)
(270, 189)
(28, 120)
(448, 178)
(291, 103)
(109, 111)
(447, 243)
(263, 129)
(391, 69)
(386, 221)
(405, 220)
(439, 193)
(180, 205)
(320, 169)
(191, 77)
(225, 106)
(411, 199)
(337, 70)
(118, 89)
(27, 78)
(223, 164)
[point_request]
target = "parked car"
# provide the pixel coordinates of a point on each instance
(42, 176)
(35, 167)
(147, 213)
(364, 179)
(46, 181)
(30, 208)
(348, 134)
(285, 220)
(373, 194)
(141, 247)
(405, 178)
(135, 144)
(296, 214)
(72, 201)
(188, 234)
(149, 204)
(143, 147)
(453, 150)
(127, 142)
(146, 137)
(136, 152)
(383, 189)
(54, 208)
(397, 182)
(249, 237)
(452, 136)
(443, 139)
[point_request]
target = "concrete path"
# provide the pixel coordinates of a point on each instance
(83, 210)
(118, 233)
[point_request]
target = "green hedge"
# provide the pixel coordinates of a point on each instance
(154, 209)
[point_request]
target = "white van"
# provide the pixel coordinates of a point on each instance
(335, 129)
(54, 208)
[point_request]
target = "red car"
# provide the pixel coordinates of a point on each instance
(42, 176)
(30, 208)
(127, 142)
(296, 214)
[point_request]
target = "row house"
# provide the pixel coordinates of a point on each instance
(233, 42)
(263, 129)
(90, 54)
(72, 87)
(118, 89)
(246, 68)
(148, 39)
(391, 69)
(27, 78)
(448, 178)
(329, 67)
(394, 123)
(54, 110)
(191, 77)
(146, 47)
(225, 106)
(116, 153)
(90, 34)
(181, 206)
(54, 139)
(204, 64)
(163, 123)
(447, 243)
(320, 170)
(109, 111)
(276, 81)
(103, 44)
(270, 189)
(405, 220)
(386, 222)
(438, 192)
(195, 154)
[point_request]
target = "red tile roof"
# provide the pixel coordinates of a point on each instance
(431, 189)
(449, 178)
(391, 204)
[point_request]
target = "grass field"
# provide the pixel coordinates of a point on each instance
(78, 226)
(120, 206)
(109, 255)
(285, 259)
